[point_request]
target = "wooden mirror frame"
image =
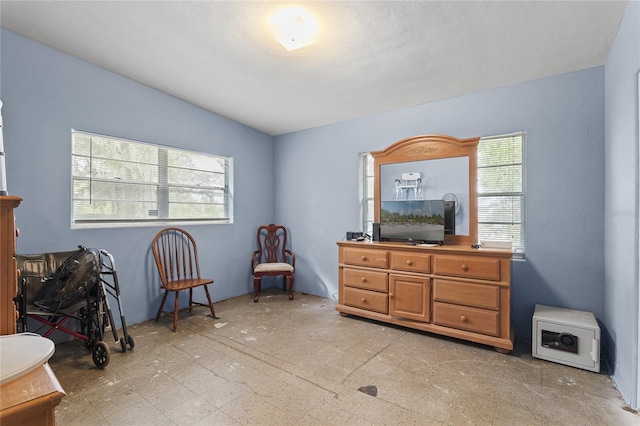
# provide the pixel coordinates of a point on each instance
(432, 147)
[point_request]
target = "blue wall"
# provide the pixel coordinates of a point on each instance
(621, 298)
(563, 117)
(47, 93)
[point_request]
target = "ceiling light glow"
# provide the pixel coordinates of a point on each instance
(294, 27)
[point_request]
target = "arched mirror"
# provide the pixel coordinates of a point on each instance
(431, 167)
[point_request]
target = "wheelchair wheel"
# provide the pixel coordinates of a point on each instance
(101, 355)
(123, 344)
(130, 341)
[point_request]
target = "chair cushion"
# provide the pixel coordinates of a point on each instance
(273, 267)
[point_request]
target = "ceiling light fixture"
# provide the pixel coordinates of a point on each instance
(294, 27)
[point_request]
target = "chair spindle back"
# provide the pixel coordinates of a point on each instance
(176, 255)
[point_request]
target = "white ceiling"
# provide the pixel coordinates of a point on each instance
(371, 57)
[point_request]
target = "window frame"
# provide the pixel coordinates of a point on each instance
(161, 183)
(518, 248)
(366, 176)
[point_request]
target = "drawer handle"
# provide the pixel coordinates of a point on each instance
(364, 300)
(363, 279)
(463, 318)
(464, 267)
(409, 263)
(364, 258)
(391, 295)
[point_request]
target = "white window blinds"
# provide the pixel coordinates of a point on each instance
(501, 189)
(366, 182)
(123, 181)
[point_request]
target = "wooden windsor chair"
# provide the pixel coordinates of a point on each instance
(176, 256)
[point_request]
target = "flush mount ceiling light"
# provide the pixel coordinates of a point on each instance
(294, 27)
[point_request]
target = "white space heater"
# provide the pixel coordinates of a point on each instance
(567, 337)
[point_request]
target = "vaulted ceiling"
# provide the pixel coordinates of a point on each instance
(370, 57)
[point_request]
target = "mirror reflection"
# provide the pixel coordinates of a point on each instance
(446, 178)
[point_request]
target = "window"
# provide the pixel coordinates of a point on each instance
(119, 182)
(500, 190)
(366, 188)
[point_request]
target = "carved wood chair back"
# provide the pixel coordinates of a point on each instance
(272, 242)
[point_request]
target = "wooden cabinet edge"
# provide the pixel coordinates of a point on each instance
(8, 272)
(41, 407)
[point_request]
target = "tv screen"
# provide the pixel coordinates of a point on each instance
(415, 221)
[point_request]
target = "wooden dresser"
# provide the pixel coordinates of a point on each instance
(8, 271)
(31, 399)
(453, 290)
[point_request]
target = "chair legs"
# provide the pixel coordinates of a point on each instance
(256, 285)
(164, 299)
(213, 311)
(290, 286)
(175, 311)
(176, 306)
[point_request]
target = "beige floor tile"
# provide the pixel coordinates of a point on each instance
(603, 411)
(189, 412)
(214, 389)
(155, 383)
(281, 362)
(260, 410)
(517, 414)
(76, 410)
(475, 406)
(217, 418)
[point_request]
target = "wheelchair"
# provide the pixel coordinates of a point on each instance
(54, 289)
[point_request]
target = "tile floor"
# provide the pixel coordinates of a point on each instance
(301, 363)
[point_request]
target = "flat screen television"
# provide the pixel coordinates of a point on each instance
(419, 221)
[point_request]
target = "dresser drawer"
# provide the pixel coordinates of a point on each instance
(469, 319)
(470, 267)
(364, 257)
(370, 280)
(366, 299)
(469, 294)
(413, 262)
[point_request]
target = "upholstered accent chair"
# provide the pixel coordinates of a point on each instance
(272, 258)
